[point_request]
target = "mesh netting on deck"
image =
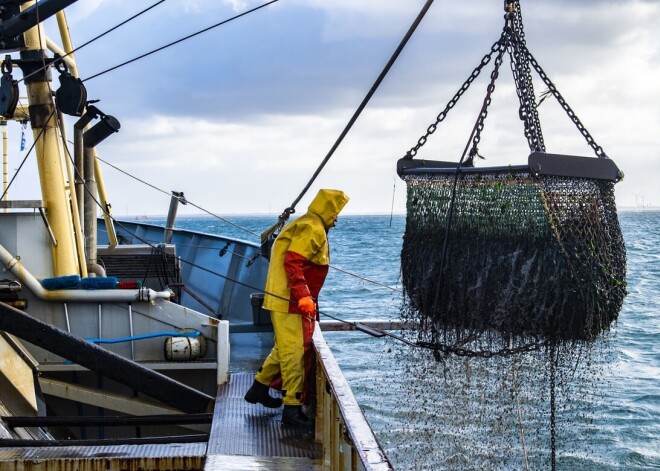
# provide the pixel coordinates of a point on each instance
(528, 259)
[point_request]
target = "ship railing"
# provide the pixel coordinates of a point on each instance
(348, 441)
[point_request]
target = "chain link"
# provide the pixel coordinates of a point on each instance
(569, 111)
(487, 100)
(443, 114)
(522, 78)
(522, 62)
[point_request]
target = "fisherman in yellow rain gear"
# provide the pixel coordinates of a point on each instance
(298, 266)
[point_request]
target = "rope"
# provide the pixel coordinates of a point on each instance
(259, 290)
(61, 58)
(25, 158)
(240, 227)
(291, 209)
(187, 200)
(142, 56)
(361, 278)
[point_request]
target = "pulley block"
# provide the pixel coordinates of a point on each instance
(8, 90)
(71, 97)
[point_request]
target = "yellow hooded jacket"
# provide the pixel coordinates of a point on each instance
(300, 255)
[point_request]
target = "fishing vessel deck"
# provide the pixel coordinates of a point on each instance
(241, 436)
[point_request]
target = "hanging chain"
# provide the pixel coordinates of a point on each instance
(522, 77)
(443, 114)
(569, 111)
(522, 62)
(487, 100)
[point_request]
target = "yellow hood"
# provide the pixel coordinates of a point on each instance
(328, 204)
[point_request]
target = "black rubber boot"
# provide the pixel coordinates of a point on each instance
(293, 416)
(259, 393)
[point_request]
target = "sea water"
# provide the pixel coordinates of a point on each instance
(429, 416)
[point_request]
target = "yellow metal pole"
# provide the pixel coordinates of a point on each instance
(66, 40)
(43, 119)
(107, 208)
(80, 241)
(103, 196)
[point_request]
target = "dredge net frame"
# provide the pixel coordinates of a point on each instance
(527, 260)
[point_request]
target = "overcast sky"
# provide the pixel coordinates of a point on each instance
(240, 117)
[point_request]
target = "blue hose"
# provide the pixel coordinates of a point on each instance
(146, 336)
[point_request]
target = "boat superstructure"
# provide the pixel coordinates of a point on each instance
(115, 349)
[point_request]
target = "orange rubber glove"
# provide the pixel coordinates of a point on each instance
(307, 305)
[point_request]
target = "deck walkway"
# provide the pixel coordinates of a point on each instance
(249, 436)
(243, 437)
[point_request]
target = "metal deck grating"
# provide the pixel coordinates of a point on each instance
(243, 436)
(169, 456)
(243, 429)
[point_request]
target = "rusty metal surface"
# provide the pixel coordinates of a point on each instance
(188, 456)
(243, 429)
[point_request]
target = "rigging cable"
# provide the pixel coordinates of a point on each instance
(292, 209)
(356, 325)
(365, 101)
(59, 59)
(238, 226)
(142, 56)
(435, 348)
(187, 200)
(25, 158)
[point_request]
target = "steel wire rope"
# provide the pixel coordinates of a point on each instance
(155, 247)
(418, 344)
(25, 159)
(142, 56)
(61, 58)
(291, 209)
(238, 226)
(179, 198)
(192, 264)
